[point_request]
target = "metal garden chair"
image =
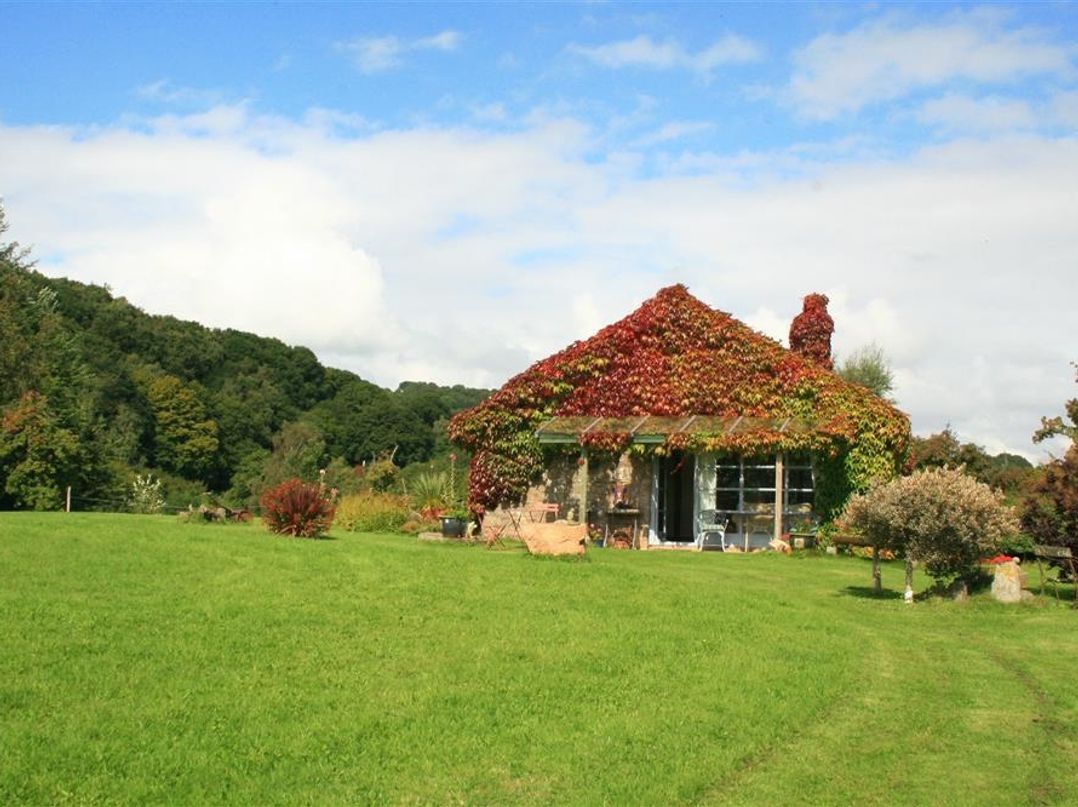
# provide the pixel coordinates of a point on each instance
(712, 528)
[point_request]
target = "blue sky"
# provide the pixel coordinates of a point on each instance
(357, 171)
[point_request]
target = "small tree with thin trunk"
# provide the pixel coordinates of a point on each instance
(869, 367)
(940, 517)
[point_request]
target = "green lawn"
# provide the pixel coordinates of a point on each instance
(143, 660)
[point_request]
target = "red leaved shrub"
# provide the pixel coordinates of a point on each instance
(298, 509)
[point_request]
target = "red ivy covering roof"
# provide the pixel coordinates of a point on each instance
(676, 356)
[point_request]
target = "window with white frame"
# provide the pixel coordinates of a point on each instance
(745, 492)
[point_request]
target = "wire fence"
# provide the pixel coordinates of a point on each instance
(71, 502)
(83, 503)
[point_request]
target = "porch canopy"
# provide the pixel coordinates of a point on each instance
(656, 428)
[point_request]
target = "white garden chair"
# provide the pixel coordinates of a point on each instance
(712, 529)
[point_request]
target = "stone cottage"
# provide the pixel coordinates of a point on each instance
(681, 426)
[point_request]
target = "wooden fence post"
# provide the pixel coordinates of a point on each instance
(877, 583)
(67, 505)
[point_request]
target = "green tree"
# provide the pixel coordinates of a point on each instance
(299, 452)
(185, 438)
(38, 456)
(341, 420)
(62, 374)
(1056, 427)
(16, 337)
(1006, 472)
(385, 425)
(869, 367)
(11, 253)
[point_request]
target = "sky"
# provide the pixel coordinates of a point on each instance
(450, 192)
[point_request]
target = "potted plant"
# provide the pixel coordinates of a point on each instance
(455, 522)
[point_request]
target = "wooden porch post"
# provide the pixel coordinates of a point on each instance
(778, 497)
(584, 494)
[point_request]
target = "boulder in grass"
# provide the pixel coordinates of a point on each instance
(558, 538)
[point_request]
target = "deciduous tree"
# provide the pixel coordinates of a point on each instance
(38, 456)
(941, 517)
(868, 366)
(1050, 510)
(185, 438)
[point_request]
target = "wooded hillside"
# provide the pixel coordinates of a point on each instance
(94, 391)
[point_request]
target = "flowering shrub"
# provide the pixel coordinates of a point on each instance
(941, 516)
(373, 512)
(381, 474)
(298, 509)
(146, 496)
(677, 356)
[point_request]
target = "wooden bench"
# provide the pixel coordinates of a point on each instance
(849, 539)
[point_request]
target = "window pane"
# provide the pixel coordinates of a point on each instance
(800, 497)
(799, 478)
(760, 477)
(757, 496)
(727, 477)
(760, 524)
(726, 500)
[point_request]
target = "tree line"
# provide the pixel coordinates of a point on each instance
(94, 391)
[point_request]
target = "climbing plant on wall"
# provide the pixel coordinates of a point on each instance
(810, 332)
(676, 356)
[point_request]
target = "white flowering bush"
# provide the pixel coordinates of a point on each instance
(941, 517)
(145, 495)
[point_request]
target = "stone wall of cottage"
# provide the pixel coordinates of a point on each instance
(563, 484)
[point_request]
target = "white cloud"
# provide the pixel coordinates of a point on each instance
(460, 255)
(675, 130)
(1064, 109)
(492, 113)
(165, 92)
(890, 57)
(445, 40)
(377, 54)
(956, 112)
(643, 51)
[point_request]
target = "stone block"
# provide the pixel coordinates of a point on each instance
(558, 538)
(1007, 582)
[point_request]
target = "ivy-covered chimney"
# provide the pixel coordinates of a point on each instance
(810, 332)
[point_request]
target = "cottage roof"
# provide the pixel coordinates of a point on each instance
(677, 357)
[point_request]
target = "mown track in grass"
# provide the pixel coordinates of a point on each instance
(146, 660)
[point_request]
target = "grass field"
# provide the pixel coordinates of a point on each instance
(143, 660)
